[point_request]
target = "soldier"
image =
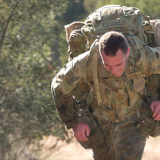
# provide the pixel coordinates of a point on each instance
(101, 95)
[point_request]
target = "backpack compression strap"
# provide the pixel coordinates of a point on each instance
(94, 70)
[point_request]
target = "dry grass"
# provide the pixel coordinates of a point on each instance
(74, 151)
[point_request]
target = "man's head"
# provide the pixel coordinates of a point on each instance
(114, 51)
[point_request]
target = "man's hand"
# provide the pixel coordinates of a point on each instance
(81, 131)
(155, 107)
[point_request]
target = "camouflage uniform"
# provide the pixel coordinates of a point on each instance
(114, 120)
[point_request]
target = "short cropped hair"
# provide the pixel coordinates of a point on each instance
(111, 42)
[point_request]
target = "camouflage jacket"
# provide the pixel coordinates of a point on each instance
(121, 97)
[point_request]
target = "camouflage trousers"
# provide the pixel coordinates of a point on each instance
(122, 142)
(116, 141)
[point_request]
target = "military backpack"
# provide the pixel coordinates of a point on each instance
(127, 20)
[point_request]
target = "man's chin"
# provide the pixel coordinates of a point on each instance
(117, 75)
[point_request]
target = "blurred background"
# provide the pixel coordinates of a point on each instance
(33, 48)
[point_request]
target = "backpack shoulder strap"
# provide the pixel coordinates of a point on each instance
(94, 71)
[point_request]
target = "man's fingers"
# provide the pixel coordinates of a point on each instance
(157, 117)
(87, 132)
(83, 135)
(84, 138)
(78, 136)
(81, 131)
(155, 107)
(155, 112)
(152, 106)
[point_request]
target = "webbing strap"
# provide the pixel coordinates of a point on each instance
(129, 76)
(94, 70)
(139, 47)
(114, 88)
(144, 35)
(138, 113)
(136, 40)
(136, 75)
(115, 79)
(143, 58)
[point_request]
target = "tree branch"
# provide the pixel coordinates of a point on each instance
(1, 42)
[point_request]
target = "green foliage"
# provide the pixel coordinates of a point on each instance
(75, 11)
(29, 61)
(90, 5)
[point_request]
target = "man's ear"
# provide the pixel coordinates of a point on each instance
(128, 50)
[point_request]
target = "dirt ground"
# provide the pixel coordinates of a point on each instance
(74, 151)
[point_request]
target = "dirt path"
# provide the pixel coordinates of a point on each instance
(74, 151)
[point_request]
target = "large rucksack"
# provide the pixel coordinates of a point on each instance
(127, 20)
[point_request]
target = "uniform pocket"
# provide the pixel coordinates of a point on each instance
(138, 84)
(147, 125)
(133, 96)
(85, 144)
(156, 128)
(156, 131)
(96, 137)
(108, 91)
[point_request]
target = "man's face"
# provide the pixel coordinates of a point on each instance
(116, 65)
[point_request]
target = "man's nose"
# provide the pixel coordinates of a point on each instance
(113, 70)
